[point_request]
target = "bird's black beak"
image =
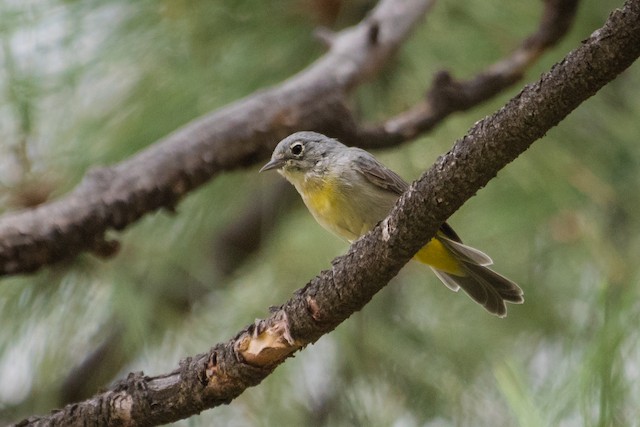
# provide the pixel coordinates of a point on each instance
(273, 164)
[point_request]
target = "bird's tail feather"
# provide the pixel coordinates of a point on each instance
(483, 285)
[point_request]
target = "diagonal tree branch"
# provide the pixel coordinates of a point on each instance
(216, 377)
(243, 133)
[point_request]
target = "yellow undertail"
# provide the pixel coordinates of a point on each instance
(437, 256)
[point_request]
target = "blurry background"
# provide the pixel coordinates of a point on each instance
(91, 82)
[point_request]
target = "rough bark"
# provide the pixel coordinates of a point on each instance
(216, 377)
(245, 132)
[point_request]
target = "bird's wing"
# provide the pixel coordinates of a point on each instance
(450, 233)
(383, 177)
(378, 174)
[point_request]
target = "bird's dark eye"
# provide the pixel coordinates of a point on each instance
(296, 149)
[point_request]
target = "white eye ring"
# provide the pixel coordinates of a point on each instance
(296, 148)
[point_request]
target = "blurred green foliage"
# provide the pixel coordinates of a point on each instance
(91, 82)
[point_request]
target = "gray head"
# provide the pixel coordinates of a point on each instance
(301, 151)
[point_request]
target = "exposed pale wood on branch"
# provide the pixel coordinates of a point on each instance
(216, 377)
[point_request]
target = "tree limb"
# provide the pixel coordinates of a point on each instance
(216, 377)
(241, 134)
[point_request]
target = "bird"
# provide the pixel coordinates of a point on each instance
(348, 191)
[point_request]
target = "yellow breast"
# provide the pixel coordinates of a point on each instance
(329, 204)
(321, 198)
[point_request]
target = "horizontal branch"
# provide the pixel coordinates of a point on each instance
(216, 377)
(245, 132)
